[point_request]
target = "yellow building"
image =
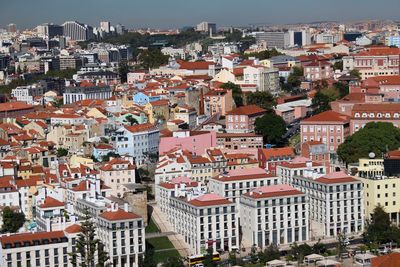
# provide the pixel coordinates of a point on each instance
(379, 189)
(370, 167)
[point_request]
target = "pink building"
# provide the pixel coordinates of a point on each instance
(242, 119)
(386, 87)
(194, 141)
(376, 61)
(218, 101)
(270, 158)
(329, 127)
(317, 152)
(318, 70)
(136, 76)
(345, 105)
(384, 112)
(291, 111)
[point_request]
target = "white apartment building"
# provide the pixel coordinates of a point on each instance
(118, 172)
(74, 94)
(336, 199)
(204, 221)
(234, 183)
(276, 214)
(266, 79)
(138, 141)
(68, 119)
(180, 186)
(45, 249)
(122, 233)
(172, 165)
(27, 93)
(9, 196)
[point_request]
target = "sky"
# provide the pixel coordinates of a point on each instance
(179, 13)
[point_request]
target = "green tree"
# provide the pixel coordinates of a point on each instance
(58, 103)
(237, 94)
(270, 253)
(254, 255)
(174, 262)
(320, 103)
(272, 127)
(232, 258)
(293, 80)
(298, 71)
(379, 229)
(110, 155)
(300, 251)
(89, 250)
(208, 258)
(265, 54)
(338, 65)
(376, 137)
(355, 73)
(12, 221)
(148, 260)
(123, 71)
(62, 152)
(319, 248)
(152, 58)
(264, 100)
(131, 120)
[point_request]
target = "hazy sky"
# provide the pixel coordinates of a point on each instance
(177, 13)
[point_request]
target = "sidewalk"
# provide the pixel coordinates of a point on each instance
(165, 227)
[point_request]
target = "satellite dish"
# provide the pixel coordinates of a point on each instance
(371, 155)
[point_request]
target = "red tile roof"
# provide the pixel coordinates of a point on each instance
(72, 229)
(336, 178)
(11, 106)
(389, 260)
(248, 110)
(51, 237)
(141, 127)
(119, 215)
(273, 191)
(209, 200)
(326, 118)
(382, 107)
(198, 65)
(277, 152)
(50, 202)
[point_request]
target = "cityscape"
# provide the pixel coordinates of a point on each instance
(206, 144)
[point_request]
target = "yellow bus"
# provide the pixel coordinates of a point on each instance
(196, 259)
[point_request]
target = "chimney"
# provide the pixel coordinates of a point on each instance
(92, 191)
(126, 207)
(98, 186)
(309, 164)
(115, 206)
(48, 225)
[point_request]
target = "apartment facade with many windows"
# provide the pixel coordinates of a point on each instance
(276, 214)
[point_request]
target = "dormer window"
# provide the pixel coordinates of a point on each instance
(371, 115)
(379, 115)
(364, 115)
(387, 115)
(357, 115)
(396, 115)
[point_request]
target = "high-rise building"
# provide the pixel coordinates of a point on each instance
(105, 26)
(77, 31)
(120, 29)
(50, 30)
(207, 27)
(274, 39)
(299, 38)
(12, 27)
